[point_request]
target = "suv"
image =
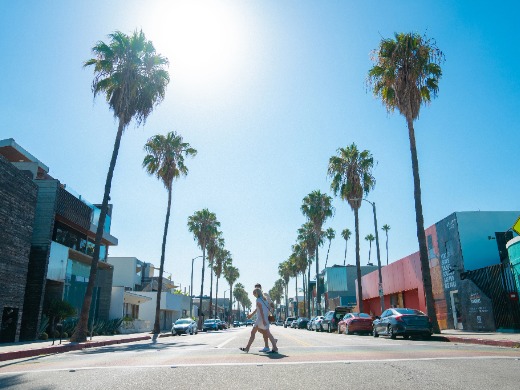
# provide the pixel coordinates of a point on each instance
(332, 318)
(288, 322)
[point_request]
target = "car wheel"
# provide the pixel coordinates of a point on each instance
(347, 330)
(321, 328)
(406, 337)
(374, 332)
(391, 332)
(427, 336)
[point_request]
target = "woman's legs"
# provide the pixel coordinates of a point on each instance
(267, 332)
(251, 338)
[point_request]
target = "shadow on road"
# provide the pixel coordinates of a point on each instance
(138, 347)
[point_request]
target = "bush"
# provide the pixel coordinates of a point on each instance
(44, 336)
(64, 335)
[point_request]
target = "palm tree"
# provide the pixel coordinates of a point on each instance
(351, 173)
(317, 207)
(204, 226)
(133, 78)
(231, 274)
(307, 239)
(330, 234)
(214, 244)
(406, 75)
(222, 257)
(240, 295)
(346, 236)
(165, 160)
(370, 238)
(386, 228)
(277, 293)
(284, 270)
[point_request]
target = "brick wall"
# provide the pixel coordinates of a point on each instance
(17, 210)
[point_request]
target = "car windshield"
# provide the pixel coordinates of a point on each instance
(410, 311)
(209, 321)
(361, 315)
(179, 322)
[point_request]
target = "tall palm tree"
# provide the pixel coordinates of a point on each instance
(330, 234)
(386, 228)
(345, 233)
(370, 238)
(231, 274)
(240, 295)
(222, 257)
(133, 78)
(204, 226)
(317, 207)
(165, 160)
(284, 270)
(214, 244)
(301, 262)
(307, 238)
(405, 76)
(351, 173)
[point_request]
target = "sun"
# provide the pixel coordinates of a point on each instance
(202, 39)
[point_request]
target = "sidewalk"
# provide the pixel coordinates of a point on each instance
(500, 339)
(21, 350)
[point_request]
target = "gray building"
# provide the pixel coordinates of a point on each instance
(61, 243)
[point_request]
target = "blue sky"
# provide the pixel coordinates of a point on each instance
(266, 91)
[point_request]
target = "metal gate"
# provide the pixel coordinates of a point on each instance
(498, 283)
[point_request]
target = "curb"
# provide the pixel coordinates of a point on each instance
(496, 343)
(66, 348)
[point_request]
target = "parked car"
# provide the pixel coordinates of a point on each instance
(294, 324)
(301, 323)
(309, 324)
(402, 322)
(209, 325)
(316, 325)
(279, 322)
(355, 323)
(236, 323)
(220, 324)
(332, 318)
(249, 323)
(288, 322)
(184, 326)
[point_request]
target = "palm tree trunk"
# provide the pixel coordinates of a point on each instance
(370, 251)
(345, 259)
(328, 250)
(309, 293)
(358, 263)
(421, 235)
(216, 298)
(80, 333)
(286, 299)
(230, 301)
(211, 294)
(318, 295)
(386, 247)
(157, 326)
(296, 297)
(305, 297)
(201, 312)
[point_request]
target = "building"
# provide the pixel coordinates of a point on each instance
(134, 296)
(61, 245)
(458, 246)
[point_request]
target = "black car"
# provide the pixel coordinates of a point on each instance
(332, 318)
(301, 323)
(402, 322)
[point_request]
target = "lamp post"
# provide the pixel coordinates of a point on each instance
(380, 287)
(224, 305)
(191, 288)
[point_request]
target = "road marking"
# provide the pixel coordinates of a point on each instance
(225, 342)
(69, 369)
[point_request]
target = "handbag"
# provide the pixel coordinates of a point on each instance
(270, 317)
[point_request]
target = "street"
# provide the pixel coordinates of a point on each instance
(305, 359)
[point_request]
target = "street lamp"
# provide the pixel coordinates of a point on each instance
(191, 288)
(380, 287)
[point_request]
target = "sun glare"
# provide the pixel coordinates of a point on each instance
(200, 38)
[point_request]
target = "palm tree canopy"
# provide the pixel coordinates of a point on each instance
(204, 226)
(346, 233)
(386, 228)
(370, 237)
(165, 157)
(406, 72)
(351, 173)
(131, 75)
(214, 244)
(317, 207)
(285, 271)
(330, 233)
(222, 258)
(307, 238)
(231, 273)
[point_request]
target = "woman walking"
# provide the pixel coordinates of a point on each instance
(262, 323)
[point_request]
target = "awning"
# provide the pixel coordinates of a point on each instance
(135, 299)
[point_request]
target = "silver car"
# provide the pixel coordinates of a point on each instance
(184, 326)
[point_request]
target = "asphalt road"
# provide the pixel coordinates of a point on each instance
(306, 359)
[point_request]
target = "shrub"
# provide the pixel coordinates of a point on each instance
(44, 336)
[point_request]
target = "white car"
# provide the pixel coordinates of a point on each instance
(316, 324)
(184, 326)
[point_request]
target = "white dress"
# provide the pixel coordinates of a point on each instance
(261, 303)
